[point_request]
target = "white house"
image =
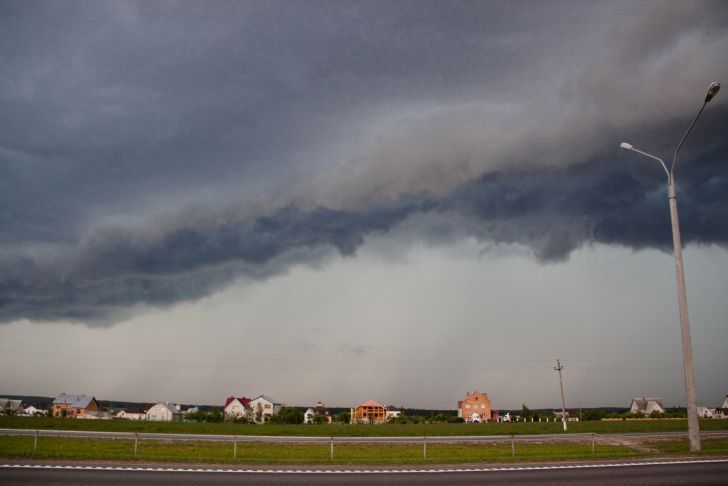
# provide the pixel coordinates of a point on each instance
(646, 405)
(34, 411)
(163, 412)
(392, 411)
(308, 416)
(263, 407)
(135, 413)
(236, 408)
(11, 407)
(705, 412)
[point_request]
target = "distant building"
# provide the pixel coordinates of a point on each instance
(236, 407)
(319, 410)
(11, 407)
(393, 412)
(705, 412)
(725, 403)
(74, 405)
(134, 413)
(369, 412)
(163, 412)
(646, 405)
(35, 410)
(475, 408)
(263, 407)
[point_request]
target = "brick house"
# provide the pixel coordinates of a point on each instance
(475, 408)
(74, 405)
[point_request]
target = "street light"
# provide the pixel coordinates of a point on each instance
(693, 426)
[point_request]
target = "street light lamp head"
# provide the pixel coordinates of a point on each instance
(625, 146)
(712, 90)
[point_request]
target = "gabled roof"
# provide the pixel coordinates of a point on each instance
(320, 410)
(392, 408)
(166, 405)
(243, 401)
(267, 398)
(370, 403)
(75, 401)
(644, 401)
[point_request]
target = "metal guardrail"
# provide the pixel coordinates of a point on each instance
(424, 440)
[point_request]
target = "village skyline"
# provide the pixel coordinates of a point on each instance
(347, 201)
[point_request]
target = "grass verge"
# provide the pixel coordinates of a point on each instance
(270, 453)
(341, 430)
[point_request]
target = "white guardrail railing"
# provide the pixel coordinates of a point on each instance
(613, 439)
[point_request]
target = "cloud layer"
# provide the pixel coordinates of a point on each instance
(153, 153)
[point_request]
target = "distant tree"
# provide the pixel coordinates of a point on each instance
(525, 412)
(344, 417)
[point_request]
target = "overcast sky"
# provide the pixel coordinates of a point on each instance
(341, 201)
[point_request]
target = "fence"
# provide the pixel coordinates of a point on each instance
(334, 443)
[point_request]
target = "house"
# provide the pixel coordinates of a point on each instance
(392, 412)
(263, 407)
(319, 410)
(646, 405)
(74, 405)
(11, 407)
(369, 412)
(725, 402)
(308, 416)
(475, 408)
(163, 412)
(134, 413)
(34, 410)
(705, 412)
(236, 408)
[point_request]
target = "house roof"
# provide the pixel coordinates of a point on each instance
(267, 398)
(392, 408)
(243, 401)
(370, 403)
(75, 401)
(320, 410)
(644, 401)
(10, 404)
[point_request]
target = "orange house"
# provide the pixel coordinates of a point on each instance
(73, 405)
(475, 408)
(369, 413)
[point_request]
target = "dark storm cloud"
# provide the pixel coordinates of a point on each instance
(154, 152)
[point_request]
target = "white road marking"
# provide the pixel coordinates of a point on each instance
(358, 471)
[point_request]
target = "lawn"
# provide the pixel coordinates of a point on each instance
(269, 453)
(341, 430)
(708, 445)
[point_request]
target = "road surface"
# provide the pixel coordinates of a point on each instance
(643, 473)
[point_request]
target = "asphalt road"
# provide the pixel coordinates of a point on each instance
(695, 473)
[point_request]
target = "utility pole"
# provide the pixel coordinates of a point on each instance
(558, 368)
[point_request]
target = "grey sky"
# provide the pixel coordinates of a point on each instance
(192, 169)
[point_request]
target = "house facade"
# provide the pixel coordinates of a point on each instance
(263, 407)
(11, 407)
(34, 410)
(319, 410)
(369, 412)
(236, 407)
(392, 412)
(646, 405)
(134, 413)
(475, 408)
(73, 406)
(163, 412)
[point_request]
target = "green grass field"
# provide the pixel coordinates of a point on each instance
(339, 430)
(267, 453)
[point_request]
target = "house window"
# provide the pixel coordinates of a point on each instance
(467, 406)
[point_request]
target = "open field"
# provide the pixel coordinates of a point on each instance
(272, 453)
(339, 430)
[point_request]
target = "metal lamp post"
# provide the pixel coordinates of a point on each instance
(687, 349)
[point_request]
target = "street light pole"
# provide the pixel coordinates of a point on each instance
(687, 349)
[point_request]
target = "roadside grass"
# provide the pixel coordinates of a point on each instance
(346, 430)
(269, 453)
(708, 445)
